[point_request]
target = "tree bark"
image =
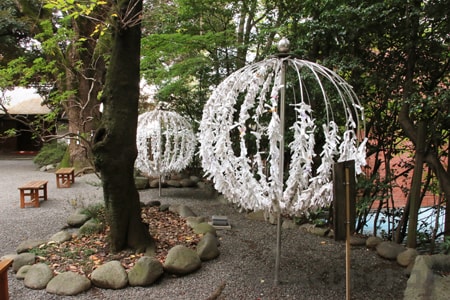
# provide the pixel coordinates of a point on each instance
(84, 71)
(416, 184)
(115, 141)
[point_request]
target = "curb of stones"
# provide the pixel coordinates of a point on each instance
(181, 210)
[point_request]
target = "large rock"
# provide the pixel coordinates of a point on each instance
(20, 275)
(91, 227)
(192, 221)
(424, 283)
(203, 228)
(68, 284)
(194, 179)
(187, 182)
(141, 182)
(155, 183)
(182, 210)
(38, 276)
(23, 259)
(9, 256)
(77, 219)
(207, 248)
(357, 241)
(173, 183)
(61, 236)
(181, 261)
(256, 215)
(146, 271)
(389, 250)
(373, 241)
(406, 257)
(28, 244)
(111, 275)
(289, 224)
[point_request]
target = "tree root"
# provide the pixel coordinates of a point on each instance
(217, 292)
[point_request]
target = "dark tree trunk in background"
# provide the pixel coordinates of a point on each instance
(115, 141)
(84, 75)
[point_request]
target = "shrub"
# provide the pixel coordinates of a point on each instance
(51, 153)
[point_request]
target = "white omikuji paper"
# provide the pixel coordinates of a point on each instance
(165, 142)
(253, 93)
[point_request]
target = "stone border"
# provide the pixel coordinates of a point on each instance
(180, 260)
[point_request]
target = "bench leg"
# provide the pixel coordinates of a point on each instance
(22, 199)
(35, 197)
(45, 192)
(4, 294)
(64, 180)
(4, 265)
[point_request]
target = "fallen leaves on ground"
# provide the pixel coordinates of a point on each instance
(82, 254)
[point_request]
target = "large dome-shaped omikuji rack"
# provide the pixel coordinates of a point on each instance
(165, 142)
(261, 109)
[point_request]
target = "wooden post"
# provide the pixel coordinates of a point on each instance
(344, 211)
(340, 199)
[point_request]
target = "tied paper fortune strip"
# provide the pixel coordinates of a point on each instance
(165, 142)
(240, 136)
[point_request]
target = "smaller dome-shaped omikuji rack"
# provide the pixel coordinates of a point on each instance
(259, 109)
(165, 142)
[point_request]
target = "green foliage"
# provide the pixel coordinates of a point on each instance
(318, 217)
(445, 246)
(96, 212)
(51, 153)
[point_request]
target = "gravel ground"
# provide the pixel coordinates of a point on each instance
(311, 267)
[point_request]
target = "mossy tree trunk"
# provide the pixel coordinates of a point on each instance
(115, 141)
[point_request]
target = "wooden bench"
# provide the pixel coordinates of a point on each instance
(65, 177)
(4, 265)
(32, 190)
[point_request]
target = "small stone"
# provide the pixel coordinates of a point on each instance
(320, 231)
(111, 275)
(192, 221)
(61, 236)
(373, 241)
(181, 260)
(154, 203)
(91, 227)
(203, 228)
(22, 272)
(194, 179)
(29, 244)
(289, 224)
(164, 207)
(207, 248)
(186, 182)
(146, 271)
(23, 259)
(141, 182)
(407, 257)
(357, 241)
(38, 276)
(77, 219)
(173, 183)
(184, 211)
(389, 250)
(68, 284)
(155, 183)
(8, 256)
(256, 215)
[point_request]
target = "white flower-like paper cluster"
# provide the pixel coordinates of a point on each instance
(241, 135)
(165, 142)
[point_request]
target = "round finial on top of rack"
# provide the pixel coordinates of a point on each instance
(283, 45)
